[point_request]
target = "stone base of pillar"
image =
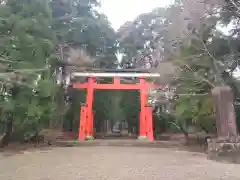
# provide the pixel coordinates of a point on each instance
(224, 149)
(142, 138)
(88, 138)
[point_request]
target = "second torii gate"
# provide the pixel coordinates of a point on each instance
(86, 113)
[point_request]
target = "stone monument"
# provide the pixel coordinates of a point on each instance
(226, 147)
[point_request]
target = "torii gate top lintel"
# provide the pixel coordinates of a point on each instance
(115, 74)
(116, 85)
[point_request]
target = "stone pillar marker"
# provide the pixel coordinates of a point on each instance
(224, 111)
(226, 147)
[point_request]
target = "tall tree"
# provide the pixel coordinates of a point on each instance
(85, 40)
(27, 43)
(193, 56)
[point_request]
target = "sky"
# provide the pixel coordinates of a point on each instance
(120, 11)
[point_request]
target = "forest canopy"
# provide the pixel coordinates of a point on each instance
(42, 42)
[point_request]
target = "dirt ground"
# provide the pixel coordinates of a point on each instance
(113, 163)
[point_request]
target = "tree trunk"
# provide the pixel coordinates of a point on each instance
(185, 133)
(130, 128)
(186, 139)
(224, 111)
(7, 136)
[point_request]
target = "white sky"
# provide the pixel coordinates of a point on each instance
(120, 11)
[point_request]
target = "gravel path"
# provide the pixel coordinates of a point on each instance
(113, 163)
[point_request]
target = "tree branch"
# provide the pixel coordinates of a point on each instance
(214, 63)
(236, 6)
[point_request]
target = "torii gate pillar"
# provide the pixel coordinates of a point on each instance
(143, 102)
(89, 102)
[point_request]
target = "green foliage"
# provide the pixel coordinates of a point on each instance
(197, 111)
(31, 33)
(205, 56)
(79, 25)
(28, 90)
(138, 39)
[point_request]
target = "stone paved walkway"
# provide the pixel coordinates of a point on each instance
(114, 163)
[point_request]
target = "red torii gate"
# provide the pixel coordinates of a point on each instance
(86, 113)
